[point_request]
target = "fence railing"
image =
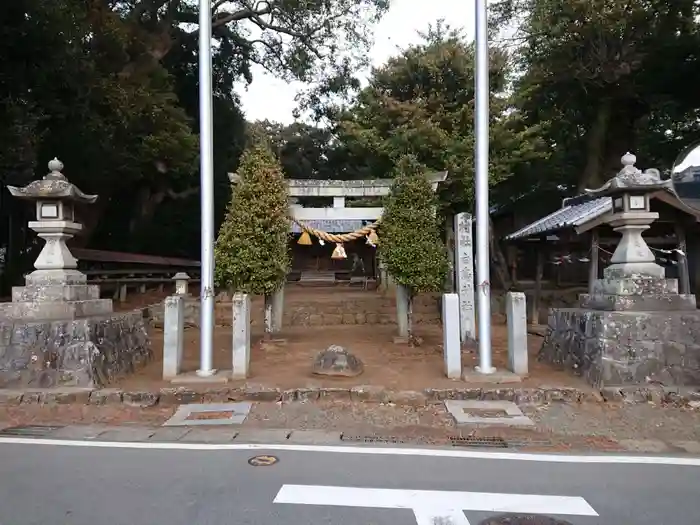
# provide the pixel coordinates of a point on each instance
(120, 272)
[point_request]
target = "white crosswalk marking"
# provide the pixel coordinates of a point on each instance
(446, 517)
(434, 507)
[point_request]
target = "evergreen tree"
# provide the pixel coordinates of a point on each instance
(410, 244)
(251, 251)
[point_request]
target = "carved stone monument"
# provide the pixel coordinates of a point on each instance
(634, 327)
(57, 330)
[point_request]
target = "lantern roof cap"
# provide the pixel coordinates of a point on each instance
(53, 185)
(631, 179)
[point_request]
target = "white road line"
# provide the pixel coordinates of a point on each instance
(377, 451)
(446, 517)
(435, 502)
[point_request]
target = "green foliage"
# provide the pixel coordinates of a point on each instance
(609, 76)
(251, 250)
(410, 243)
(422, 103)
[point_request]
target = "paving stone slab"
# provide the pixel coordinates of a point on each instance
(130, 434)
(314, 437)
(83, 432)
(471, 412)
(239, 412)
(169, 434)
(264, 435)
(209, 435)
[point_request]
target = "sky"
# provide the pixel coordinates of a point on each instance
(270, 98)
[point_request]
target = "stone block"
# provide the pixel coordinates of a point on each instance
(638, 303)
(237, 414)
(127, 434)
(609, 348)
(262, 436)
(516, 315)
(173, 335)
(209, 435)
(240, 342)
(314, 437)
(492, 413)
(58, 310)
(106, 396)
(452, 348)
(88, 352)
(635, 286)
(49, 293)
(140, 399)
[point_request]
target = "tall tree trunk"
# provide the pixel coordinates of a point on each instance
(595, 146)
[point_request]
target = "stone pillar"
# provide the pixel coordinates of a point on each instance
(450, 284)
(241, 335)
(450, 336)
(464, 266)
(402, 310)
(277, 310)
(516, 312)
(173, 335)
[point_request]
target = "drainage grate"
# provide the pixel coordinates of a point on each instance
(470, 441)
(29, 430)
(372, 439)
(530, 519)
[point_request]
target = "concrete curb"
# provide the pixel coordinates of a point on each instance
(683, 397)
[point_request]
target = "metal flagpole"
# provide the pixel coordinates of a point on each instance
(206, 163)
(481, 156)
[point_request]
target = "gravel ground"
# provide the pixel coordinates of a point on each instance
(619, 422)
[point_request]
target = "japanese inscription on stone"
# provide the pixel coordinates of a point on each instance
(464, 262)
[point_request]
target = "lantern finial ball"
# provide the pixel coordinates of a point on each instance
(629, 159)
(55, 165)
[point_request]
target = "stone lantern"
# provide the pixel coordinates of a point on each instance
(634, 328)
(629, 191)
(181, 283)
(56, 289)
(55, 222)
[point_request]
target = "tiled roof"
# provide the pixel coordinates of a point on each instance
(333, 225)
(571, 215)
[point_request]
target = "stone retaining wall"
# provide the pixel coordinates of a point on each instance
(363, 393)
(623, 348)
(372, 310)
(85, 352)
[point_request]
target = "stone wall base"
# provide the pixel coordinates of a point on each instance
(173, 396)
(87, 352)
(610, 348)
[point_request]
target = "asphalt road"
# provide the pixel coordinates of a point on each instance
(61, 485)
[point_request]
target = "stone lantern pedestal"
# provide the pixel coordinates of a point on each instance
(57, 330)
(634, 327)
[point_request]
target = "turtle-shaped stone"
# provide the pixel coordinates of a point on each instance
(337, 361)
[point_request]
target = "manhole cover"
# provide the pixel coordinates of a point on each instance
(487, 441)
(372, 439)
(262, 461)
(29, 430)
(530, 519)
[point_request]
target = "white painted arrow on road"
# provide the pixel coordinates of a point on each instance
(434, 507)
